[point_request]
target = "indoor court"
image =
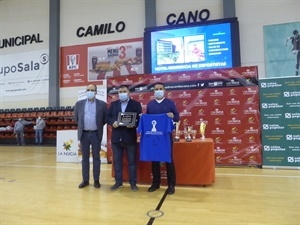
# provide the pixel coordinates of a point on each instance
(37, 190)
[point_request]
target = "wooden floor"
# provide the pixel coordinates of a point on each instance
(36, 190)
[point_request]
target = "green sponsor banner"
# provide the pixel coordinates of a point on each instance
(280, 121)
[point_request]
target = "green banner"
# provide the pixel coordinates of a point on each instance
(280, 121)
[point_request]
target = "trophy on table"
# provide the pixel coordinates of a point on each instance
(187, 133)
(194, 133)
(202, 130)
(177, 132)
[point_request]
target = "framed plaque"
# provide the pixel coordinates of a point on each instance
(127, 119)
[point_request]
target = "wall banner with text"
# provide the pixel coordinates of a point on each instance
(24, 73)
(280, 118)
(93, 63)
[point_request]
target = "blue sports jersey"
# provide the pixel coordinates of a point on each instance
(155, 144)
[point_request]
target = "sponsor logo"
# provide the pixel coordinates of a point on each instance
(219, 150)
(270, 85)
(234, 120)
(217, 112)
(73, 62)
(250, 91)
(216, 93)
(233, 101)
(234, 140)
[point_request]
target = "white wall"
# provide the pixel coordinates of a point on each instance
(165, 7)
(31, 16)
(78, 13)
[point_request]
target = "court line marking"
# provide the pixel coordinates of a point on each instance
(50, 167)
(257, 175)
(217, 174)
(23, 159)
(151, 220)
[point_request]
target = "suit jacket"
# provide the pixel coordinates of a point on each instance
(121, 133)
(101, 114)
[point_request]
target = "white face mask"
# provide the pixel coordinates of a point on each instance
(159, 94)
(20, 119)
(90, 94)
(39, 118)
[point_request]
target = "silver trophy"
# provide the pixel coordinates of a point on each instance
(177, 132)
(187, 133)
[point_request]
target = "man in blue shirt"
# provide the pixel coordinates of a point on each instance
(90, 115)
(162, 105)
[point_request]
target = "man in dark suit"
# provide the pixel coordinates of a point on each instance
(90, 116)
(124, 138)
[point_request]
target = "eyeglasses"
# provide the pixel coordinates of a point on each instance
(90, 90)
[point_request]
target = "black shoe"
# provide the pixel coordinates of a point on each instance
(83, 184)
(153, 187)
(134, 187)
(171, 190)
(97, 184)
(116, 186)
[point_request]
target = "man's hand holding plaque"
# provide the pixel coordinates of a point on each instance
(127, 119)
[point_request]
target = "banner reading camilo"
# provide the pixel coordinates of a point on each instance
(280, 118)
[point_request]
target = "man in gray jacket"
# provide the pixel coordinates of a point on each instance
(19, 130)
(90, 116)
(39, 127)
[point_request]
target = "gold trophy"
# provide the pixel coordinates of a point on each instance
(202, 130)
(187, 133)
(177, 132)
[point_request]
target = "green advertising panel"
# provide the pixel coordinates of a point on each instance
(280, 121)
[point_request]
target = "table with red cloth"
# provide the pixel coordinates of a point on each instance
(194, 164)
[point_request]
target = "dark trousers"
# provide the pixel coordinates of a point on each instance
(171, 174)
(118, 153)
(90, 139)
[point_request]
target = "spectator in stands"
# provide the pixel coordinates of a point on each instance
(39, 128)
(6, 128)
(90, 115)
(19, 130)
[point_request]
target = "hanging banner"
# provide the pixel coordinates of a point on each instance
(25, 73)
(226, 99)
(93, 63)
(280, 118)
(282, 49)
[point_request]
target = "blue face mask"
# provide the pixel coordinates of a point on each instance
(90, 94)
(123, 96)
(159, 93)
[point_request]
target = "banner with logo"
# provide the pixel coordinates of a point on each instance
(280, 118)
(67, 146)
(95, 62)
(226, 99)
(24, 73)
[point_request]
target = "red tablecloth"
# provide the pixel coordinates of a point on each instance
(194, 163)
